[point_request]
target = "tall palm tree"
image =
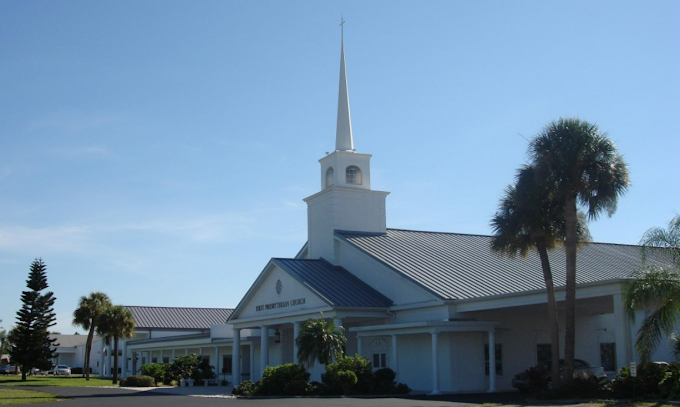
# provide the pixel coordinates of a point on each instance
(320, 340)
(87, 314)
(528, 218)
(656, 286)
(116, 323)
(583, 167)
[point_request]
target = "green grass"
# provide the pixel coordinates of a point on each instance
(12, 396)
(60, 381)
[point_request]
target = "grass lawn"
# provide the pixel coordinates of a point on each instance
(13, 396)
(61, 381)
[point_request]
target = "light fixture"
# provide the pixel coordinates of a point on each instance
(277, 336)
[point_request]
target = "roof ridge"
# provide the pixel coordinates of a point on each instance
(168, 307)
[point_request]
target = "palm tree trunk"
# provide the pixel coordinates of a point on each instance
(115, 360)
(88, 350)
(570, 251)
(553, 320)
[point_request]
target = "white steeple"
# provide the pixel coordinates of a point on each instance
(346, 200)
(343, 134)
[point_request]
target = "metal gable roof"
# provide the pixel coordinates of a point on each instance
(335, 285)
(460, 266)
(178, 317)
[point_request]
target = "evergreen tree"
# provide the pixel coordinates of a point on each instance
(30, 338)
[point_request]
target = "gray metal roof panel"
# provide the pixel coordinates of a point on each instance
(460, 266)
(178, 317)
(337, 286)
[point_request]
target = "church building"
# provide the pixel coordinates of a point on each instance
(440, 309)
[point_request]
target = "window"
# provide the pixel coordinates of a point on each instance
(379, 360)
(226, 364)
(166, 359)
(498, 359)
(353, 175)
(329, 177)
(544, 354)
(154, 359)
(608, 356)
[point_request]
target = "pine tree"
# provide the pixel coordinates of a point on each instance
(31, 343)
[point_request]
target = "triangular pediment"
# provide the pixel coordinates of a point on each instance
(290, 286)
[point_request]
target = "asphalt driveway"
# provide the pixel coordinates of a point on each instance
(105, 397)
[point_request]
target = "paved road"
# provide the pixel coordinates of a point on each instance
(110, 397)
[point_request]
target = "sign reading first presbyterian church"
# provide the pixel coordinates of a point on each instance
(279, 304)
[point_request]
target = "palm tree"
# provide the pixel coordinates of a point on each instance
(116, 323)
(87, 315)
(656, 286)
(320, 340)
(581, 166)
(528, 218)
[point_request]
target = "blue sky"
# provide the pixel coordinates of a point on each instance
(159, 151)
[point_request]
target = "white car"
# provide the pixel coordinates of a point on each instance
(61, 370)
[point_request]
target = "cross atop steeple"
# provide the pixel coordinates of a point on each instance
(343, 134)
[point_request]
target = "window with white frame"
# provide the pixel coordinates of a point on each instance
(329, 177)
(353, 175)
(379, 360)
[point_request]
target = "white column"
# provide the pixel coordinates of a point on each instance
(264, 348)
(395, 361)
(173, 356)
(492, 362)
(236, 358)
(296, 332)
(251, 375)
(124, 362)
(622, 334)
(435, 365)
(218, 372)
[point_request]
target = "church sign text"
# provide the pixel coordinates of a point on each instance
(280, 304)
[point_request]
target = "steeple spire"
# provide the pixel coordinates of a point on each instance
(343, 134)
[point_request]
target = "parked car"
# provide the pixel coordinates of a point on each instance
(37, 372)
(539, 376)
(13, 369)
(3, 369)
(61, 370)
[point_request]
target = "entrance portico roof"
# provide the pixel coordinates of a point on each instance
(426, 327)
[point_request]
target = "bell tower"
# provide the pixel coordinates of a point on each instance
(346, 201)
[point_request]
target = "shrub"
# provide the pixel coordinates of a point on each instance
(137, 381)
(402, 388)
(383, 382)
(76, 370)
(247, 388)
(669, 387)
(203, 371)
(184, 367)
(357, 364)
(576, 388)
(278, 381)
(158, 371)
(645, 385)
(346, 379)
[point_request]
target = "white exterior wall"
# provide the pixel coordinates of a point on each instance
(291, 289)
(334, 209)
(397, 288)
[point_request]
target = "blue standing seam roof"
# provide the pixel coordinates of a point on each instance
(178, 317)
(460, 266)
(334, 284)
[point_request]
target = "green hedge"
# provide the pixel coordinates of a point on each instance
(137, 381)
